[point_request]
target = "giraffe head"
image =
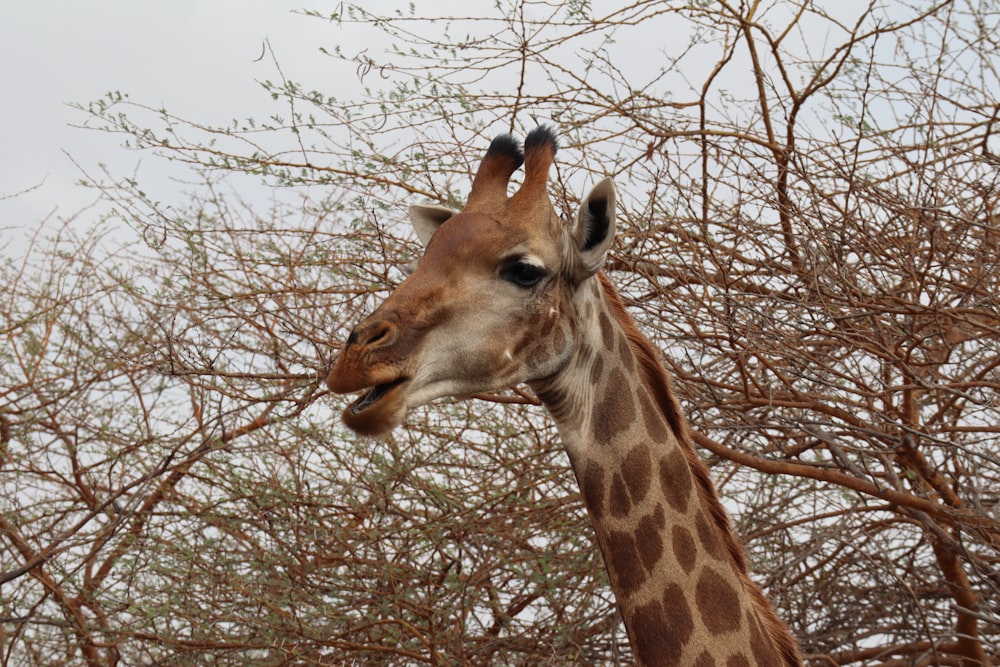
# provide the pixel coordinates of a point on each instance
(490, 304)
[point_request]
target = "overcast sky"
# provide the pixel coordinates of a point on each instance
(198, 58)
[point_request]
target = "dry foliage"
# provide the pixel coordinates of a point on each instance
(811, 234)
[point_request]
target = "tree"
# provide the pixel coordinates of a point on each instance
(810, 234)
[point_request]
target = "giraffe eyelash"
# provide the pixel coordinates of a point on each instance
(523, 274)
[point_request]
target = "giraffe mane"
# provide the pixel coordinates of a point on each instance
(658, 382)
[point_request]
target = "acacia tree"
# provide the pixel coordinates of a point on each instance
(809, 232)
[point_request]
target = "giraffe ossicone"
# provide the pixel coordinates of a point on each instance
(507, 293)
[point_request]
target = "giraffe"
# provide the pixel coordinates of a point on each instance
(555, 322)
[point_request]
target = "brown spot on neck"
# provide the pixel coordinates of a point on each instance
(685, 550)
(718, 602)
(638, 472)
(662, 628)
(615, 411)
(675, 480)
(705, 659)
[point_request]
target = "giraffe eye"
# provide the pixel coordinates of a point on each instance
(523, 274)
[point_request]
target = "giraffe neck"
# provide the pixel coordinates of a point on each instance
(677, 572)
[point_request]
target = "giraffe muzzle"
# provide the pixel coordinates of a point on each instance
(374, 395)
(379, 409)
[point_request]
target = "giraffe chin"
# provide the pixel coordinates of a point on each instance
(378, 410)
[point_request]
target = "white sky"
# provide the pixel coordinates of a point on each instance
(195, 57)
(199, 59)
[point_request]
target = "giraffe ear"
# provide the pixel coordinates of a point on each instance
(426, 220)
(595, 226)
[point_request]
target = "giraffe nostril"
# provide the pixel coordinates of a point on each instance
(377, 334)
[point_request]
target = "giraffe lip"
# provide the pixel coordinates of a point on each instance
(375, 395)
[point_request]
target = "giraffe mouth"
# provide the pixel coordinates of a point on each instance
(374, 396)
